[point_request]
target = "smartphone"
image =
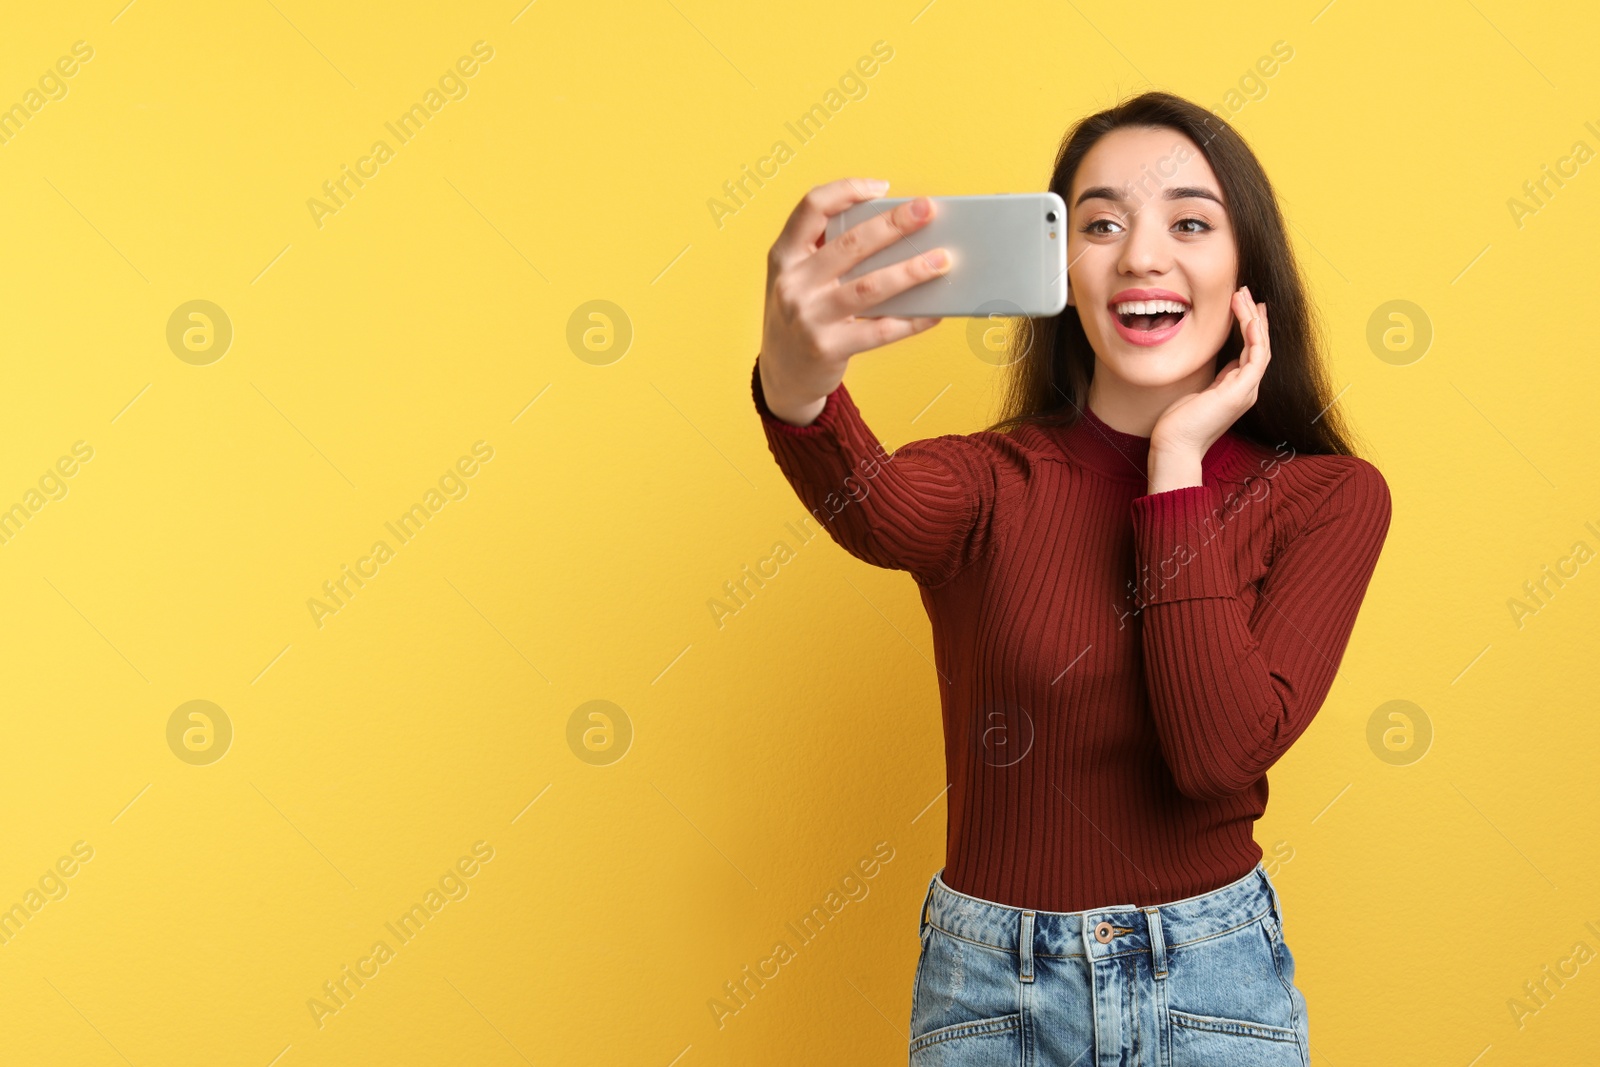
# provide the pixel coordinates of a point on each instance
(1008, 255)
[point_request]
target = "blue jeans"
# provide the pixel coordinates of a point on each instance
(1203, 980)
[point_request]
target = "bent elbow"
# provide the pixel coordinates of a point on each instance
(1201, 781)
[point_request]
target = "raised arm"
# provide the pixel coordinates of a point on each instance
(1231, 691)
(810, 326)
(928, 508)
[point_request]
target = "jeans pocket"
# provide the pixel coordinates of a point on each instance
(976, 1044)
(964, 1011)
(1210, 1041)
(1227, 1002)
(1238, 1027)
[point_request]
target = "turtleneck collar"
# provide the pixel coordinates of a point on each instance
(1124, 456)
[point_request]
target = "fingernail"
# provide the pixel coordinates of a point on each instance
(939, 259)
(877, 186)
(920, 207)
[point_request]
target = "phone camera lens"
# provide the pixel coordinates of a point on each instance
(1049, 216)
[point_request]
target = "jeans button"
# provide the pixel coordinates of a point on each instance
(1102, 932)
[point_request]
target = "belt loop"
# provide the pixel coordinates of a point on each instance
(1272, 899)
(1158, 944)
(1025, 945)
(927, 900)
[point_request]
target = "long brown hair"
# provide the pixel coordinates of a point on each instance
(1053, 361)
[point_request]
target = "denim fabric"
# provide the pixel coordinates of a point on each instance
(1206, 980)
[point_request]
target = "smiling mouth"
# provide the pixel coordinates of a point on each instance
(1149, 319)
(1149, 323)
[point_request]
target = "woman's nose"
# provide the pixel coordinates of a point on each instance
(1143, 251)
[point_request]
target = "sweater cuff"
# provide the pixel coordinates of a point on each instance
(824, 423)
(1181, 544)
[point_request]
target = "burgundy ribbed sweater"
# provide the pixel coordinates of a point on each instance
(1105, 742)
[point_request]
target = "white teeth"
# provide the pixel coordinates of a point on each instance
(1149, 307)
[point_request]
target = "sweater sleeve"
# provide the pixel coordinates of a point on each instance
(928, 508)
(1230, 690)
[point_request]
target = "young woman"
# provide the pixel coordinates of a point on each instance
(1141, 583)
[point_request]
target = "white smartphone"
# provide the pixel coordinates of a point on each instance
(1008, 255)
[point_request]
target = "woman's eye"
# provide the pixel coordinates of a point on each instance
(1201, 223)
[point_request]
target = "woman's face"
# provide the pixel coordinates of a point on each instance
(1146, 214)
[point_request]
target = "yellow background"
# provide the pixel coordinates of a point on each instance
(771, 754)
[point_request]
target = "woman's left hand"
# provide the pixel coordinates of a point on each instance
(1187, 429)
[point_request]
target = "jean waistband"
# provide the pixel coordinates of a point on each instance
(1102, 932)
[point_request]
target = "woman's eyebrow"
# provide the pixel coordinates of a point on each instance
(1180, 192)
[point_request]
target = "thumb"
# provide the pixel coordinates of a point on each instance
(1227, 370)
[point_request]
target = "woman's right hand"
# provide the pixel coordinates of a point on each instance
(810, 331)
